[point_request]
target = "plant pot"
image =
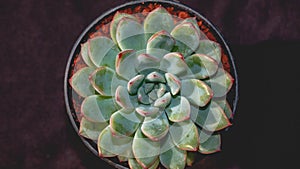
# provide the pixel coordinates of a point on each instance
(99, 26)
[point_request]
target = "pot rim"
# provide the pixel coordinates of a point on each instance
(113, 10)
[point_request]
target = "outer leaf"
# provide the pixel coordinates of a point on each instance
(134, 84)
(114, 23)
(160, 44)
(173, 82)
(196, 91)
(179, 109)
(185, 135)
(209, 143)
(193, 21)
(202, 66)
(123, 99)
(155, 128)
(174, 158)
(211, 49)
(187, 38)
(125, 122)
(212, 118)
(220, 83)
(101, 80)
(145, 62)
(109, 145)
(90, 129)
(133, 164)
(161, 90)
(164, 101)
(190, 159)
(84, 52)
(98, 108)
(80, 82)
(102, 51)
(130, 35)
(145, 150)
(174, 63)
(147, 110)
(125, 62)
(226, 107)
(157, 20)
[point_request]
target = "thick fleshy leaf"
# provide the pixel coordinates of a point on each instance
(114, 23)
(163, 101)
(145, 150)
(157, 20)
(161, 90)
(122, 158)
(80, 82)
(201, 65)
(223, 103)
(193, 21)
(174, 63)
(155, 77)
(146, 110)
(220, 83)
(179, 109)
(173, 82)
(102, 51)
(185, 135)
(98, 108)
(125, 62)
(173, 158)
(156, 127)
(209, 143)
(143, 96)
(90, 129)
(125, 122)
(123, 98)
(190, 158)
(110, 145)
(160, 44)
(187, 38)
(134, 84)
(101, 80)
(153, 94)
(133, 164)
(211, 49)
(148, 87)
(84, 52)
(130, 35)
(146, 62)
(196, 91)
(211, 118)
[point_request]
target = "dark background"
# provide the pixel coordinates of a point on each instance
(37, 37)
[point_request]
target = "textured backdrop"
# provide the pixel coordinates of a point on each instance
(37, 37)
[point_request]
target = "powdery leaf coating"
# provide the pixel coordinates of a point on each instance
(80, 82)
(91, 130)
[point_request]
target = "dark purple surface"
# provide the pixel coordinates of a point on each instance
(37, 37)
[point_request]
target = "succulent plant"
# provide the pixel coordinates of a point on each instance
(154, 91)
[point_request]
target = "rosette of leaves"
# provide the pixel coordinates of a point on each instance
(154, 91)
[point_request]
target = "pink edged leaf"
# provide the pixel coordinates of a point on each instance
(173, 82)
(125, 122)
(223, 103)
(187, 38)
(125, 62)
(145, 151)
(145, 110)
(220, 83)
(90, 129)
(155, 127)
(202, 66)
(211, 118)
(174, 63)
(134, 84)
(163, 101)
(185, 135)
(145, 61)
(123, 98)
(211, 49)
(179, 109)
(84, 52)
(110, 145)
(101, 80)
(80, 82)
(209, 143)
(196, 91)
(98, 108)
